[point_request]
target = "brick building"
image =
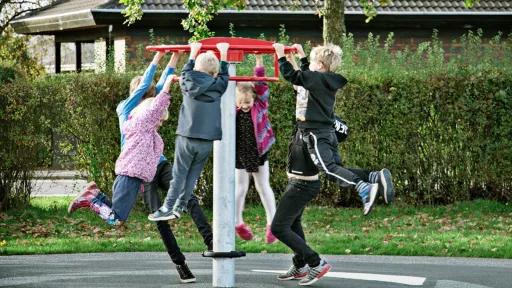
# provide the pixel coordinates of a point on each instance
(100, 23)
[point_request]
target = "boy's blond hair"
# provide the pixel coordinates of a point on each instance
(135, 83)
(329, 55)
(145, 104)
(207, 62)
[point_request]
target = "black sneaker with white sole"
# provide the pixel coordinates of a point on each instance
(386, 187)
(185, 275)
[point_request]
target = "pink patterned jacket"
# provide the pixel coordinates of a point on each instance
(265, 137)
(143, 145)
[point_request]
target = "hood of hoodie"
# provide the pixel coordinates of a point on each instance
(333, 81)
(198, 88)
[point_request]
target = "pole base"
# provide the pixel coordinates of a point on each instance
(232, 254)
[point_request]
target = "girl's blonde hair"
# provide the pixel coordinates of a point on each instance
(207, 62)
(135, 83)
(245, 90)
(329, 55)
(145, 104)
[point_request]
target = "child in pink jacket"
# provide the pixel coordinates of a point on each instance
(254, 137)
(137, 162)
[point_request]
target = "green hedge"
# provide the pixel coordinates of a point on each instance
(441, 125)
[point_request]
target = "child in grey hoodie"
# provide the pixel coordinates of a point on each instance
(199, 124)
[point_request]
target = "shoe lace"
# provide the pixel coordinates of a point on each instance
(293, 270)
(313, 272)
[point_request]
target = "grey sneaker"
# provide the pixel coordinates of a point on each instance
(386, 185)
(315, 273)
(160, 215)
(294, 273)
(369, 198)
(185, 275)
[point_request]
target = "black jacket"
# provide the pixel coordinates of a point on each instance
(316, 94)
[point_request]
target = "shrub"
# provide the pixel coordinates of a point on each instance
(440, 124)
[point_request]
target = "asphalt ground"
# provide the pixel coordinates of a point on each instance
(256, 270)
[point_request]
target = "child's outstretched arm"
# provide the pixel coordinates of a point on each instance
(222, 79)
(291, 58)
(150, 117)
(134, 99)
(304, 63)
(261, 87)
(169, 69)
(194, 50)
(296, 77)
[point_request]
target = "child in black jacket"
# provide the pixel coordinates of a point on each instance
(316, 85)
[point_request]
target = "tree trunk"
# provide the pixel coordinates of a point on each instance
(334, 21)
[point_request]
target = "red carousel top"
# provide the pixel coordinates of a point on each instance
(238, 47)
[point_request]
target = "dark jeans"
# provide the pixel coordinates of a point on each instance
(287, 226)
(153, 202)
(323, 148)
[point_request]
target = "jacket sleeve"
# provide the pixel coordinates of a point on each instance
(150, 117)
(222, 79)
(261, 87)
(167, 71)
(296, 77)
(134, 99)
(304, 64)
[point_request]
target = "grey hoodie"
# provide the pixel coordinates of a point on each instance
(200, 110)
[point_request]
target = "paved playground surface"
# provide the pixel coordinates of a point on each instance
(256, 270)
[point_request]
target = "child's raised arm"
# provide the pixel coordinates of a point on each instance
(222, 79)
(194, 50)
(296, 77)
(136, 96)
(149, 117)
(171, 67)
(260, 87)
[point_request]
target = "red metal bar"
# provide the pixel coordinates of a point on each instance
(238, 47)
(249, 49)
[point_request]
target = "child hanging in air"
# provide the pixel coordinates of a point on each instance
(254, 137)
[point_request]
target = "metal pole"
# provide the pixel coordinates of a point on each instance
(224, 190)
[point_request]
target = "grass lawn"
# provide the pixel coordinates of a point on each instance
(471, 229)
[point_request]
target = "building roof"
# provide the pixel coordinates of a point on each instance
(351, 6)
(70, 14)
(297, 6)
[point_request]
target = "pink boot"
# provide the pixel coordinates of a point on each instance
(244, 231)
(269, 237)
(84, 200)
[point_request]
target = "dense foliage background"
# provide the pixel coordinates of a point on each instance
(438, 118)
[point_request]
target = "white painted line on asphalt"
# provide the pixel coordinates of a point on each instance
(407, 280)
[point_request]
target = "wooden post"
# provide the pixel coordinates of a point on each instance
(78, 58)
(57, 57)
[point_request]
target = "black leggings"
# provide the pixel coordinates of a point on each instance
(153, 202)
(287, 226)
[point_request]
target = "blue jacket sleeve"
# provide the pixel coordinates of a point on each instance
(127, 105)
(167, 71)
